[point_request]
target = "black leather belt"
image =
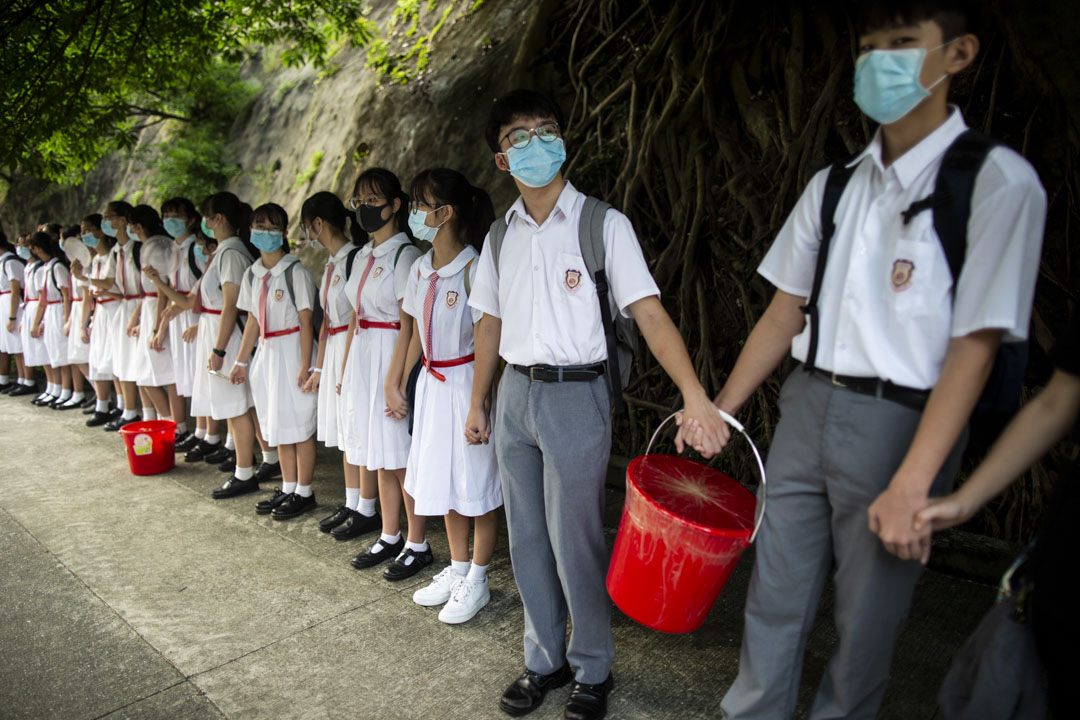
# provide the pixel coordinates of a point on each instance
(876, 387)
(570, 373)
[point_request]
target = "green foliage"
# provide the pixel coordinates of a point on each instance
(304, 178)
(413, 44)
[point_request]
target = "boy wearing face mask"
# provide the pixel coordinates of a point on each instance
(552, 420)
(902, 353)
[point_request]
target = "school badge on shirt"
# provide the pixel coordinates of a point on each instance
(279, 295)
(902, 272)
(377, 273)
(451, 298)
(572, 280)
(335, 281)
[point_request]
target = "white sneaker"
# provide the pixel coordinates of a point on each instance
(438, 591)
(466, 599)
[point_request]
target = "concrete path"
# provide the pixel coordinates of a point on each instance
(125, 596)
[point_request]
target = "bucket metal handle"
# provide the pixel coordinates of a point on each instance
(757, 456)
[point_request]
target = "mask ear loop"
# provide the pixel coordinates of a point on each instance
(942, 78)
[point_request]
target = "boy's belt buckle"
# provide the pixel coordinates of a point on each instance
(836, 381)
(532, 373)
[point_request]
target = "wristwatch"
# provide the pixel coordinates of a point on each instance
(219, 353)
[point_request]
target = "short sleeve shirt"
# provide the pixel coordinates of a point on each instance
(384, 287)
(542, 290)
(452, 319)
(55, 277)
(336, 303)
(127, 276)
(231, 260)
(281, 314)
(886, 307)
(8, 266)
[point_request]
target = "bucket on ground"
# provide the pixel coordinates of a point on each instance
(150, 446)
(684, 526)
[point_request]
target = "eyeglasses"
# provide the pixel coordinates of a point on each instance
(521, 137)
(415, 205)
(355, 203)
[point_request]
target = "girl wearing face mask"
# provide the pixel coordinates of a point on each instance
(445, 475)
(78, 346)
(278, 294)
(326, 223)
(99, 309)
(126, 282)
(34, 352)
(11, 279)
(373, 372)
(54, 304)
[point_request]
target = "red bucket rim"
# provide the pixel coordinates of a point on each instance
(147, 426)
(705, 529)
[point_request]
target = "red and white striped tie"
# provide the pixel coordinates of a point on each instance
(429, 309)
(360, 290)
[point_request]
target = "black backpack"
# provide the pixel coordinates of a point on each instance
(951, 205)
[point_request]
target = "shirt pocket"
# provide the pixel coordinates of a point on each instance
(571, 279)
(909, 278)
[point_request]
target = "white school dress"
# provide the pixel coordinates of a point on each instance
(129, 285)
(78, 352)
(11, 268)
(34, 352)
(56, 279)
(183, 279)
(444, 472)
(337, 311)
(103, 321)
(286, 415)
(155, 367)
(372, 440)
(213, 396)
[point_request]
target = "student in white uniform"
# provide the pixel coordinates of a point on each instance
(78, 346)
(278, 294)
(34, 352)
(228, 220)
(11, 295)
(447, 476)
(155, 376)
(127, 283)
(326, 224)
(99, 309)
(373, 375)
(49, 318)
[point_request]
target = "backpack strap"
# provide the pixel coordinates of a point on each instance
(591, 242)
(136, 255)
(495, 239)
(289, 281)
(468, 279)
(839, 174)
(193, 264)
(349, 262)
(397, 255)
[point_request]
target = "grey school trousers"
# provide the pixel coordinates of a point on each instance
(553, 441)
(833, 453)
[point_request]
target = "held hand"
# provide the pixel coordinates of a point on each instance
(701, 427)
(77, 269)
(67, 327)
(11, 326)
(35, 330)
(215, 362)
(338, 389)
(944, 513)
(157, 342)
(133, 331)
(238, 376)
(171, 313)
(477, 429)
(151, 272)
(190, 334)
(892, 518)
(86, 336)
(302, 378)
(397, 405)
(312, 384)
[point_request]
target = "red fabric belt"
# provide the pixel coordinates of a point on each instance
(208, 311)
(336, 330)
(77, 299)
(103, 301)
(368, 324)
(146, 295)
(5, 292)
(429, 364)
(30, 299)
(132, 297)
(279, 333)
(53, 302)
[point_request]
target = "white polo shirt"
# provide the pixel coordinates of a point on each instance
(542, 290)
(885, 308)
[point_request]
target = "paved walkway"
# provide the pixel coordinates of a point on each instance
(125, 596)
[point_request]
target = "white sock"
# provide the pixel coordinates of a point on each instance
(65, 395)
(229, 444)
(383, 541)
(78, 397)
(477, 573)
(244, 473)
(200, 433)
(211, 439)
(149, 413)
(181, 427)
(352, 497)
(26, 381)
(416, 547)
(304, 491)
(129, 414)
(270, 456)
(4, 379)
(165, 417)
(288, 487)
(366, 507)
(49, 389)
(460, 567)
(101, 406)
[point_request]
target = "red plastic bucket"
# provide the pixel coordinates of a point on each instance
(684, 527)
(150, 446)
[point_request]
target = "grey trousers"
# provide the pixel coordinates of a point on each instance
(833, 453)
(553, 441)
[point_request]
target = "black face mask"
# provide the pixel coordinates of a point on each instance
(370, 218)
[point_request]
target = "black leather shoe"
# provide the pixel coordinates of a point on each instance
(219, 456)
(329, 523)
(293, 506)
(588, 702)
(200, 450)
(402, 569)
(116, 412)
(39, 401)
(189, 441)
(6, 387)
(22, 390)
(98, 419)
(356, 525)
(265, 507)
(230, 466)
(368, 559)
(118, 423)
(180, 439)
(268, 471)
(527, 692)
(235, 486)
(68, 405)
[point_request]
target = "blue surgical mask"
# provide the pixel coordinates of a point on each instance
(200, 254)
(175, 226)
(90, 240)
(205, 230)
(887, 82)
(420, 230)
(537, 164)
(131, 232)
(23, 252)
(266, 241)
(108, 229)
